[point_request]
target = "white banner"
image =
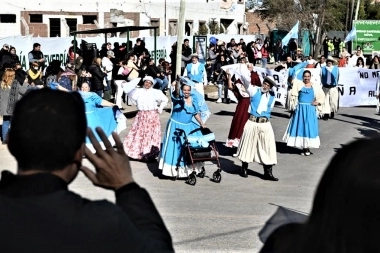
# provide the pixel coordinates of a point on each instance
(163, 46)
(280, 78)
(357, 86)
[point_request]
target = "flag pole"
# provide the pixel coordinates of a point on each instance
(180, 33)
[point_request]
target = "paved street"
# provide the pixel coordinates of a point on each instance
(227, 217)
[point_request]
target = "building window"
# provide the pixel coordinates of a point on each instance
(72, 23)
(35, 18)
(202, 30)
(155, 22)
(172, 27)
(188, 28)
(7, 18)
(55, 27)
(89, 19)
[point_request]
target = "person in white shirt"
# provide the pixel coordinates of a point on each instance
(108, 66)
(360, 63)
(311, 61)
(144, 137)
(353, 60)
(330, 80)
(321, 63)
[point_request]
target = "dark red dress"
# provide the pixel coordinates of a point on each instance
(241, 113)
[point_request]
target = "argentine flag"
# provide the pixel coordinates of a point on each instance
(351, 35)
(292, 34)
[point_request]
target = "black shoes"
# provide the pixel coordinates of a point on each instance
(306, 152)
(327, 116)
(243, 172)
(268, 173)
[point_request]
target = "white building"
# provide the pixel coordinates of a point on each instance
(52, 18)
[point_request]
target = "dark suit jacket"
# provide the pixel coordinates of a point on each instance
(39, 214)
(284, 239)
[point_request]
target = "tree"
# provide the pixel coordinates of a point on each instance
(369, 10)
(214, 27)
(202, 29)
(318, 16)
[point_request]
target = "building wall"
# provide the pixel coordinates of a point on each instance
(257, 25)
(143, 13)
(42, 29)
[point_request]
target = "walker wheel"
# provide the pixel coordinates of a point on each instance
(192, 180)
(217, 177)
(202, 173)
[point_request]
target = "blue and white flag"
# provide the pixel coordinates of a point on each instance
(292, 34)
(351, 35)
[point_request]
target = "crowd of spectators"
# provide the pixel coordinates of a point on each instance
(118, 63)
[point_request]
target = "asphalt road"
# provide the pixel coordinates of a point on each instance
(227, 217)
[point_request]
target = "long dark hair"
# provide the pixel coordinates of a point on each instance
(345, 217)
(357, 61)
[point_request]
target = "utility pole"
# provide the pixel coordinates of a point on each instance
(165, 19)
(352, 13)
(346, 24)
(357, 9)
(180, 32)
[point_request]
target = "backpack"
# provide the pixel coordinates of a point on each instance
(65, 82)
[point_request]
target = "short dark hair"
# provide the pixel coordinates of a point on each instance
(48, 128)
(36, 45)
(161, 60)
(185, 40)
(185, 84)
(306, 72)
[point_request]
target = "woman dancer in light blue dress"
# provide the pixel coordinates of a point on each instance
(302, 131)
(185, 107)
(99, 113)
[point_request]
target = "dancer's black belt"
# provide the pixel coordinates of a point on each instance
(258, 119)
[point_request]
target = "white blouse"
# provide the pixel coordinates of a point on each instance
(148, 99)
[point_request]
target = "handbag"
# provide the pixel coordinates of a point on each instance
(126, 72)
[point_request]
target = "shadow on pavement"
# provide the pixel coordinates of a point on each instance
(373, 124)
(153, 168)
(254, 173)
(282, 148)
(369, 133)
(341, 146)
(233, 165)
(223, 150)
(217, 235)
(225, 113)
(130, 114)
